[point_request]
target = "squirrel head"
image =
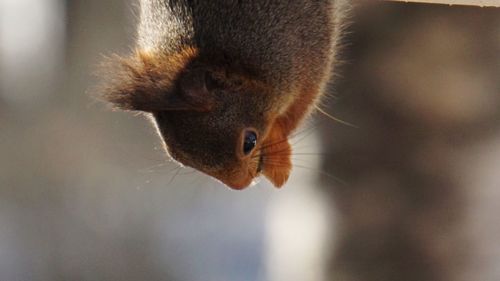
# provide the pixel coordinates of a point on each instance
(211, 116)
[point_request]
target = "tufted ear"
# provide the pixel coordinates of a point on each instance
(150, 83)
(193, 89)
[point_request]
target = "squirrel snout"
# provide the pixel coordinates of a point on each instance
(239, 184)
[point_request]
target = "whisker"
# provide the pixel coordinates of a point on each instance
(273, 143)
(335, 118)
(304, 136)
(270, 155)
(322, 172)
(306, 129)
(319, 171)
(175, 175)
(152, 168)
(298, 133)
(285, 151)
(188, 172)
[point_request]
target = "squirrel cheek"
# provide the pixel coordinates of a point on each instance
(277, 164)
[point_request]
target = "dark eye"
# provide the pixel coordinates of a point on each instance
(210, 82)
(249, 142)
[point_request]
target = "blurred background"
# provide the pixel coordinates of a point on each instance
(410, 194)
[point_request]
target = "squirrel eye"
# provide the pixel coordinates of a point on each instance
(249, 142)
(210, 82)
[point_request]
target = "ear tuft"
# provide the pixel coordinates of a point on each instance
(145, 81)
(193, 88)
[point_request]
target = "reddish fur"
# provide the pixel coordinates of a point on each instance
(141, 81)
(277, 151)
(248, 64)
(299, 109)
(279, 165)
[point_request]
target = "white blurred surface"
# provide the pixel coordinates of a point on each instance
(32, 34)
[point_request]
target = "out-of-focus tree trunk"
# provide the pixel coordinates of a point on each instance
(422, 84)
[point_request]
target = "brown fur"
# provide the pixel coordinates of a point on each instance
(209, 70)
(146, 81)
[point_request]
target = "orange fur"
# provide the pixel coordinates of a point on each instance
(261, 67)
(277, 151)
(278, 164)
(140, 82)
(298, 110)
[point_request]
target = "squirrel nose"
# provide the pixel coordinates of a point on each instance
(238, 184)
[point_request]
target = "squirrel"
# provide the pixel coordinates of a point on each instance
(227, 81)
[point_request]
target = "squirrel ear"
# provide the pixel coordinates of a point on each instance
(192, 89)
(146, 83)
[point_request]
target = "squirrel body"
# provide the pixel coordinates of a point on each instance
(227, 81)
